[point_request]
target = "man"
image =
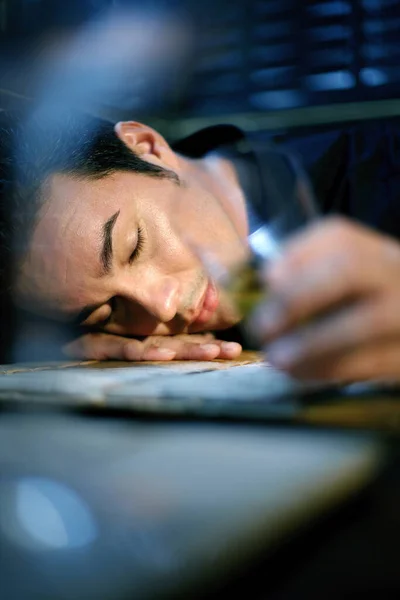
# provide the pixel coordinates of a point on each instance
(107, 246)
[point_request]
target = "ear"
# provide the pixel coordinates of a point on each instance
(147, 143)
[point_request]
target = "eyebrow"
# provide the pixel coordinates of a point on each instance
(106, 252)
(106, 260)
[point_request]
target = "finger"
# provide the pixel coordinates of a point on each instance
(135, 350)
(97, 346)
(362, 324)
(327, 264)
(309, 294)
(228, 350)
(153, 353)
(105, 346)
(201, 338)
(299, 299)
(195, 351)
(175, 341)
(199, 349)
(352, 249)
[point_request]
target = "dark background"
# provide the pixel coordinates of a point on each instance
(264, 63)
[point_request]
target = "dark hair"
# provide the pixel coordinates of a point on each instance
(31, 149)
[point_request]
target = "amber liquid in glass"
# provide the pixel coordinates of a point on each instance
(245, 287)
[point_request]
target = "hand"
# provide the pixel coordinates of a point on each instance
(334, 308)
(105, 346)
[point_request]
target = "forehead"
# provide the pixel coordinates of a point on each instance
(66, 195)
(62, 263)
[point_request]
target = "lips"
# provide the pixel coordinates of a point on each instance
(209, 304)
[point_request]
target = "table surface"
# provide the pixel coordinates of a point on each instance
(376, 411)
(246, 357)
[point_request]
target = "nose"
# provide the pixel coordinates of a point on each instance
(163, 303)
(159, 296)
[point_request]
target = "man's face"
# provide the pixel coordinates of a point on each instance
(116, 251)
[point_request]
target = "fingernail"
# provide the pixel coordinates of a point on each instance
(209, 347)
(164, 352)
(230, 347)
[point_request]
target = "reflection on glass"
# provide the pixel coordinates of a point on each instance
(42, 514)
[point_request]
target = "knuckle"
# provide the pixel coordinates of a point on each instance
(126, 353)
(96, 354)
(189, 347)
(86, 346)
(344, 237)
(152, 340)
(342, 234)
(338, 225)
(131, 350)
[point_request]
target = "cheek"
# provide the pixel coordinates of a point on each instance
(167, 242)
(194, 212)
(211, 227)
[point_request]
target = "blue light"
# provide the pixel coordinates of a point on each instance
(379, 26)
(265, 243)
(52, 515)
(373, 77)
(277, 99)
(378, 5)
(330, 9)
(336, 80)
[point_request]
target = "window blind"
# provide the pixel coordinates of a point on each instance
(253, 55)
(262, 55)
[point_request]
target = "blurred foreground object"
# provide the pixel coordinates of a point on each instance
(92, 509)
(95, 56)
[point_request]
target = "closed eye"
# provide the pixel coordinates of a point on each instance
(134, 256)
(139, 246)
(113, 301)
